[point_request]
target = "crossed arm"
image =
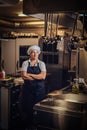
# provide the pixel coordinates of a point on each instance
(30, 76)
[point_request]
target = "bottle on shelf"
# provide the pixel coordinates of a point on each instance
(75, 87)
(3, 73)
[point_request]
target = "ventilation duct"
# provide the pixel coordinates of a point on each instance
(8, 2)
(65, 19)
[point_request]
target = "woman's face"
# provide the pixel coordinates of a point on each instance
(34, 55)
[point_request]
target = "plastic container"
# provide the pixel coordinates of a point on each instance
(4, 74)
(75, 88)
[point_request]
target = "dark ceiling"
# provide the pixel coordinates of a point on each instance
(10, 9)
(54, 6)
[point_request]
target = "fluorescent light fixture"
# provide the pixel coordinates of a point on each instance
(21, 15)
(35, 23)
(39, 16)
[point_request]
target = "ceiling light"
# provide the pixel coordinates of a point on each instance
(21, 15)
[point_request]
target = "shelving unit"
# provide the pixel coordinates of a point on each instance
(9, 105)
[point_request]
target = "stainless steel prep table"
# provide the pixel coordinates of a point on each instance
(62, 112)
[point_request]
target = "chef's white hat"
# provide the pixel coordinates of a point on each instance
(33, 47)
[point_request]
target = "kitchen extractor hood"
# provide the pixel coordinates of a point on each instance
(53, 6)
(66, 20)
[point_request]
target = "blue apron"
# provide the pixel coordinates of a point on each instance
(32, 92)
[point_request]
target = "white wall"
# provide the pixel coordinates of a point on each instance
(10, 52)
(8, 55)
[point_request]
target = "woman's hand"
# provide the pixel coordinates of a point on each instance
(40, 76)
(26, 76)
(30, 76)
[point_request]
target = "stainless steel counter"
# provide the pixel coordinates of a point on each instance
(65, 111)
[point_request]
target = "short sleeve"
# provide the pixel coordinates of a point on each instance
(42, 66)
(24, 66)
